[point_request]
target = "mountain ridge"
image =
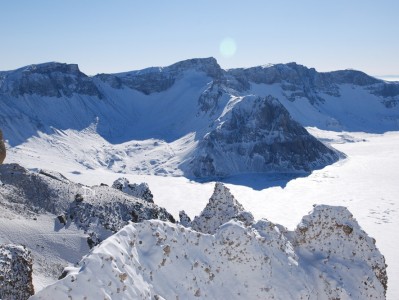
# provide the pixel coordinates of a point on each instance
(190, 102)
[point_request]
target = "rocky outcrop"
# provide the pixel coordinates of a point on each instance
(2, 148)
(327, 257)
(335, 239)
(221, 208)
(99, 210)
(159, 79)
(48, 80)
(258, 135)
(141, 190)
(15, 273)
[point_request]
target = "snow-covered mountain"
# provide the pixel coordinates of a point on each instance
(59, 220)
(187, 113)
(327, 257)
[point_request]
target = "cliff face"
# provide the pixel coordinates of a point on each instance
(2, 148)
(15, 273)
(258, 135)
(327, 257)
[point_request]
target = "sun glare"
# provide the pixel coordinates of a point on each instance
(228, 47)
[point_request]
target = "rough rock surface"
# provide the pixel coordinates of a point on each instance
(318, 234)
(221, 208)
(2, 148)
(15, 273)
(91, 208)
(258, 135)
(141, 190)
(48, 80)
(327, 257)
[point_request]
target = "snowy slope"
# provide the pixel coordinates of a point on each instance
(58, 220)
(165, 261)
(94, 129)
(166, 115)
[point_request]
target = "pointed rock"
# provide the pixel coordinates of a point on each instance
(221, 208)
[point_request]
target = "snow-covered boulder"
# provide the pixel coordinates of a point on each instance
(221, 208)
(141, 190)
(15, 272)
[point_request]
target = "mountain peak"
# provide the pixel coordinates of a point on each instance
(221, 208)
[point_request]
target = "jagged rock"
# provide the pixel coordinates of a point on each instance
(158, 260)
(221, 208)
(334, 237)
(258, 135)
(15, 273)
(141, 190)
(104, 210)
(184, 219)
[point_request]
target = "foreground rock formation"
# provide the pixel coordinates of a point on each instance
(15, 273)
(328, 256)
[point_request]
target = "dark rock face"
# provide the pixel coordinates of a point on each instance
(15, 273)
(258, 135)
(155, 80)
(91, 208)
(50, 80)
(2, 148)
(300, 81)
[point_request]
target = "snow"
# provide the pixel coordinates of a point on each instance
(365, 182)
(128, 134)
(329, 257)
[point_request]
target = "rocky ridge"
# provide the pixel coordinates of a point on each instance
(328, 256)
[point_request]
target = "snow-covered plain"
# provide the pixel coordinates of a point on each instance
(366, 182)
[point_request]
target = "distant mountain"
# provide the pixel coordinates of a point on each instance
(213, 116)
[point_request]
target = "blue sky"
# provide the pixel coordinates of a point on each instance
(120, 35)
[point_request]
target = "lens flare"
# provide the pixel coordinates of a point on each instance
(228, 47)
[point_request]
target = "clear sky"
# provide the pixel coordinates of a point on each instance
(105, 36)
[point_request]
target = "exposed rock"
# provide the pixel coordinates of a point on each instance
(158, 79)
(15, 273)
(184, 219)
(221, 208)
(157, 260)
(332, 235)
(62, 219)
(2, 148)
(141, 190)
(258, 135)
(50, 80)
(103, 207)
